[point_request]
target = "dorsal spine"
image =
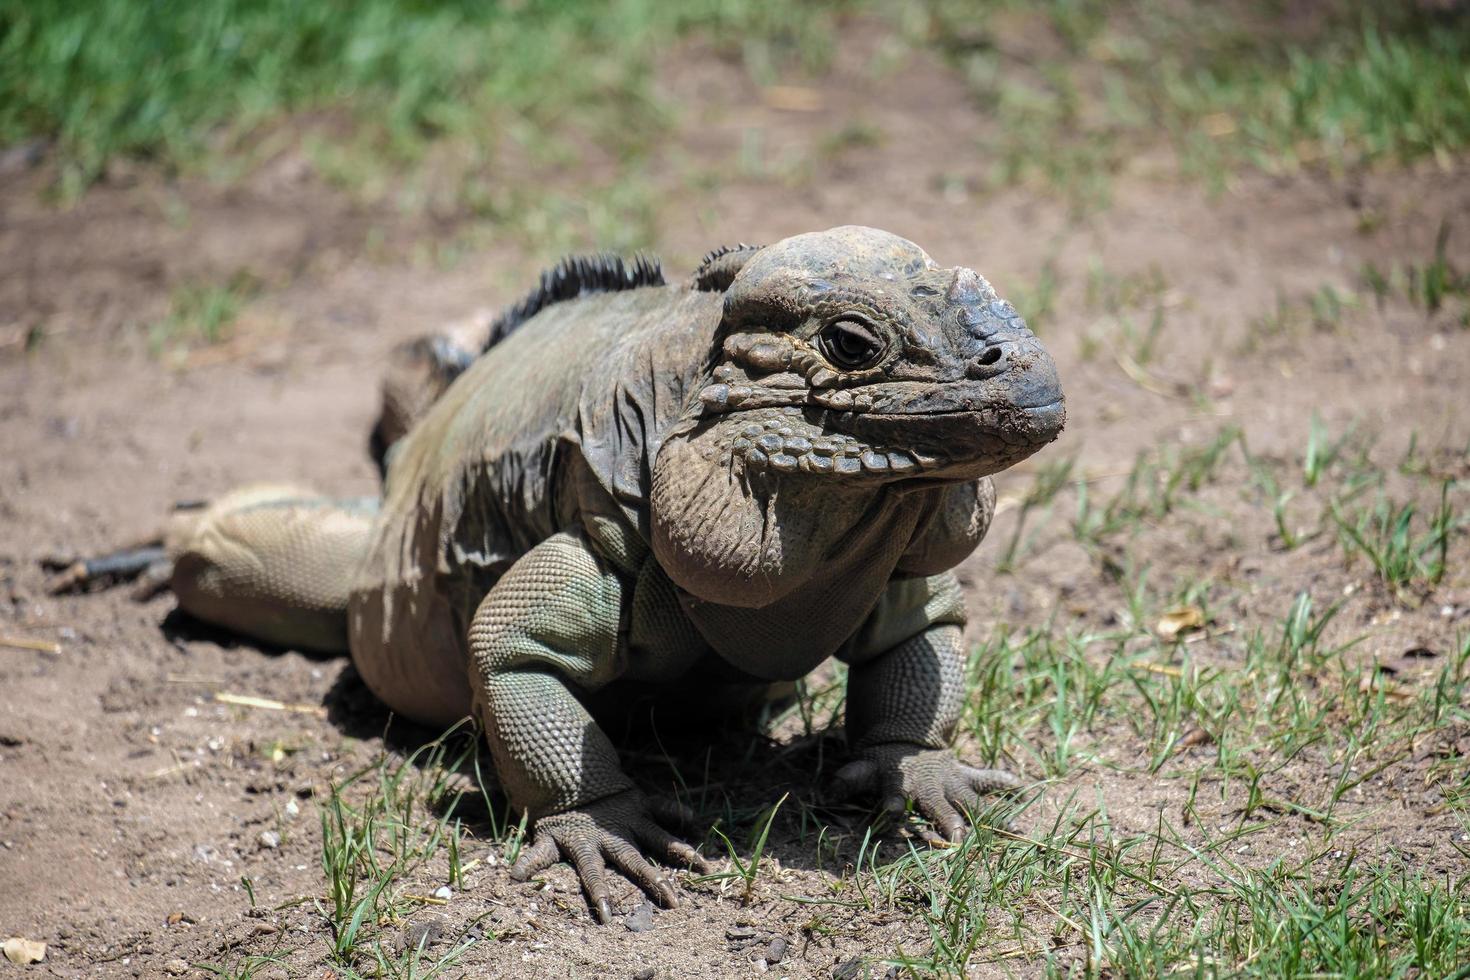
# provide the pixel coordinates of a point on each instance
(719, 267)
(573, 276)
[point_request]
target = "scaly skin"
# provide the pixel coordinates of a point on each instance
(777, 462)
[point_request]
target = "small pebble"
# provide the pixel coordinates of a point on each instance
(737, 933)
(641, 920)
(776, 951)
(422, 935)
(269, 839)
(177, 967)
(850, 970)
(647, 973)
(444, 892)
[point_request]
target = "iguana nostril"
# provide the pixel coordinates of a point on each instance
(993, 360)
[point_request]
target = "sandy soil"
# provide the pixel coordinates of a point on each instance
(132, 804)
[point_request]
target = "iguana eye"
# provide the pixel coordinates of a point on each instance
(849, 344)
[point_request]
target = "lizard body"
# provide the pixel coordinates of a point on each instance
(777, 462)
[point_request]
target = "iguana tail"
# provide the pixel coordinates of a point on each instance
(270, 561)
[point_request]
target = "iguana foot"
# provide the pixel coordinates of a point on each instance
(943, 789)
(617, 829)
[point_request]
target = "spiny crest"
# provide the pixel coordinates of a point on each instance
(578, 275)
(718, 268)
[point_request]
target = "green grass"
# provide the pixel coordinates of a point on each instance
(1434, 285)
(1075, 896)
(388, 822)
(180, 83)
(168, 80)
(1232, 86)
(391, 833)
(1109, 914)
(242, 967)
(203, 312)
(1335, 486)
(1371, 92)
(745, 870)
(1408, 550)
(1158, 482)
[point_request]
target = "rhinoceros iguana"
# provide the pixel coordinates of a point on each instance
(714, 486)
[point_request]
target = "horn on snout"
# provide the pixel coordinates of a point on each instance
(966, 288)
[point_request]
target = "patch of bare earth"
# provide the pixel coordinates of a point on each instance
(134, 805)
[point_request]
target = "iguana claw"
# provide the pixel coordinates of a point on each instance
(943, 789)
(619, 830)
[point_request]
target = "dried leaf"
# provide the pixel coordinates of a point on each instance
(1195, 736)
(1376, 680)
(27, 643)
(269, 704)
(793, 98)
(1180, 620)
(23, 951)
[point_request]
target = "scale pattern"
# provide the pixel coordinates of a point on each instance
(550, 624)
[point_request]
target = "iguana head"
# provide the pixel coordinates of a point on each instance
(849, 355)
(848, 360)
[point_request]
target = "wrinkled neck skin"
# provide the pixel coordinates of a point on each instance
(731, 528)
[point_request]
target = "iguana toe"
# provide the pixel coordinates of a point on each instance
(990, 781)
(944, 792)
(541, 854)
(616, 830)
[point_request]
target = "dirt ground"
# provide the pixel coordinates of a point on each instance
(134, 806)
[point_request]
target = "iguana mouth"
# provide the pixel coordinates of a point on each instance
(779, 431)
(787, 441)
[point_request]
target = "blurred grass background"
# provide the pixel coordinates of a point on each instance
(1072, 85)
(169, 81)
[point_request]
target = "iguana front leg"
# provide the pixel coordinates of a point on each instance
(903, 704)
(549, 625)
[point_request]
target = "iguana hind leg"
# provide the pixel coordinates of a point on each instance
(273, 562)
(419, 370)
